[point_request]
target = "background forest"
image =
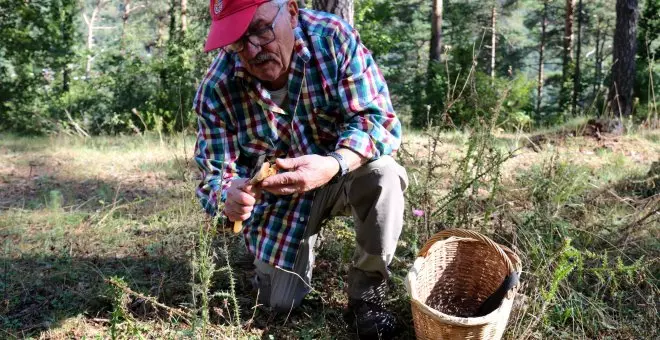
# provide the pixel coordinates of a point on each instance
(125, 66)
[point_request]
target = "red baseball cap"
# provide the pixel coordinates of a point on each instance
(231, 19)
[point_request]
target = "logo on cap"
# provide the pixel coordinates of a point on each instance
(217, 7)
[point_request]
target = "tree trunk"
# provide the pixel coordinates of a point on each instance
(124, 21)
(568, 37)
(173, 28)
(539, 89)
(435, 53)
(576, 75)
(598, 63)
(90, 32)
(128, 9)
(623, 56)
(68, 28)
(342, 8)
(493, 41)
(184, 16)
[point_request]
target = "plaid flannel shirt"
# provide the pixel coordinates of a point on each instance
(337, 98)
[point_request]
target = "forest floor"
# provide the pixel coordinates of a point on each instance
(76, 212)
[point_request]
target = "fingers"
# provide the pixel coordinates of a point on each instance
(238, 207)
(240, 201)
(289, 163)
(285, 190)
(238, 213)
(251, 190)
(285, 184)
(284, 179)
(240, 197)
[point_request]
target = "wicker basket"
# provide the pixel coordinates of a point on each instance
(455, 272)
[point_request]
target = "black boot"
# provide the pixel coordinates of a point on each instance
(370, 320)
(367, 315)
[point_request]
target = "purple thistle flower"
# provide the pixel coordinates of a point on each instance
(418, 212)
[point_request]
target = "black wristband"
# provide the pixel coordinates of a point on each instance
(343, 167)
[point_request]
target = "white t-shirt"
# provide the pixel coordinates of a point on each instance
(278, 96)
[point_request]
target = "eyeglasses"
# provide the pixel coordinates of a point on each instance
(259, 38)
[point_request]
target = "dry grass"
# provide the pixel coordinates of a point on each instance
(75, 212)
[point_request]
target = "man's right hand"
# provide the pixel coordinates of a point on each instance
(241, 197)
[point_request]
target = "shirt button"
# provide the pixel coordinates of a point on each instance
(301, 219)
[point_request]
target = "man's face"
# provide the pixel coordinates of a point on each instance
(270, 63)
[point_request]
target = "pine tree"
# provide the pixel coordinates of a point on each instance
(624, 50)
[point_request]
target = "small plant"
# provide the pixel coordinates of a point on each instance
(203, 268)
(204, 272)
(120, 319)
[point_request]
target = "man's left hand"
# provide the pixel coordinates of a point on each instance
(304, 173)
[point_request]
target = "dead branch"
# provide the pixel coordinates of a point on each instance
(185, 316)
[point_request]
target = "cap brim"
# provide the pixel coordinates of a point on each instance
(228, 29)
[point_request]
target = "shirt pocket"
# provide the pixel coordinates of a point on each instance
(325, 126)
(259, 133)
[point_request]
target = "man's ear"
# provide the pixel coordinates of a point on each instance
(292, 7)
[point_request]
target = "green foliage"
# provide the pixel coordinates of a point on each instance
(144, 71)
(576, 283)
(476, 184)
(647, 82)
(133, 85)
(36, 45)
(119, 301)
(556, 185)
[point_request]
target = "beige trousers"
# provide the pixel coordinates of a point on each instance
(374, 195)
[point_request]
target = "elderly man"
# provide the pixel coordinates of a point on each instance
(298, 86)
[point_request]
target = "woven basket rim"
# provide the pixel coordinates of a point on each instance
(411, 285)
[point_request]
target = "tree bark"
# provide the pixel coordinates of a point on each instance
(493, 41)
(68, 33)
(90, 32)
(184, 16)
(173, 28)
(124, 21)
(598, 63)
(624, 48)
(544, 26)
(435, 53)
(128, 9)
(342, 8)
(435, 56)
(577, 75)
(568, 37)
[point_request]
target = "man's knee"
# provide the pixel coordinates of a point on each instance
(376, 198)
(383, 174)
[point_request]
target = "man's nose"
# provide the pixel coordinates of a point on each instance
(251, 51)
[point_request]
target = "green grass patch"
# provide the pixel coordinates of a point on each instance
(583, 224)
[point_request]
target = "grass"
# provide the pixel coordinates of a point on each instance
(77, 215)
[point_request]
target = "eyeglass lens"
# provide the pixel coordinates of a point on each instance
(260, 38)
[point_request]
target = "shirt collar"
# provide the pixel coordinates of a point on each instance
(300, 47)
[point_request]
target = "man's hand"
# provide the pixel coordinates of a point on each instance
(241, 197)
(304, 173)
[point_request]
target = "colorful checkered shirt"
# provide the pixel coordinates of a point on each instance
(337, 98)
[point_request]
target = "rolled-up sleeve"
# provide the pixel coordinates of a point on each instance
(216, 150)
(370, 126)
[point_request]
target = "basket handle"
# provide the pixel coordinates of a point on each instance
(467, 234)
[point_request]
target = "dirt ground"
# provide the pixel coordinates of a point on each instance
(75, 212)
